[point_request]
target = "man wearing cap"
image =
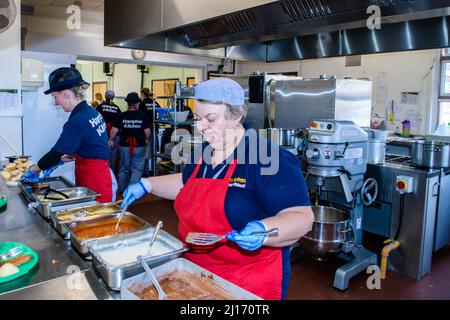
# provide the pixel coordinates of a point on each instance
(109, 110)
(146, 107)
(134, 130)
(83, 139)
(226, 190)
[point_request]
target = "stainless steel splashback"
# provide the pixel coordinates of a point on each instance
(293, 102)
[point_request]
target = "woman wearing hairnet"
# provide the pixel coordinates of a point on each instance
(84, 138)
(226, 194)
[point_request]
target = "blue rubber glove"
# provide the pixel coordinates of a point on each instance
(49, 171)
(134, 192)
(30, 176)
(246, 241)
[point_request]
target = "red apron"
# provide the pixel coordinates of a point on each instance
(108, 127)
(132, 142)
(95, 175)
(200, 207)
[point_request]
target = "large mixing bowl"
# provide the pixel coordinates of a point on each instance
(329, 232)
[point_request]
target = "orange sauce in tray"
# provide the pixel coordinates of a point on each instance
(105, 228)
(183, 285)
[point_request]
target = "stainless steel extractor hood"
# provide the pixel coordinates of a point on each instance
(276, 30)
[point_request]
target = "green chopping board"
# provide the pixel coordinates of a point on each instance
(25, 268)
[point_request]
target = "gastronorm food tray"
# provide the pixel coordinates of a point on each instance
(81, 245)
(75, 194)
(186, 265)
(113, 275)
(61, 228)
(57, 182)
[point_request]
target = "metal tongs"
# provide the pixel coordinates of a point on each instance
(152, 277)
(159, 225)
(47, 189)
(124, 209)
(206, 239)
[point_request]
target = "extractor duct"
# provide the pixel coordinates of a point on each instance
(277, 30)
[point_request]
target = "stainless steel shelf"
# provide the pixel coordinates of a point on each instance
(174, 97)
(183, 123)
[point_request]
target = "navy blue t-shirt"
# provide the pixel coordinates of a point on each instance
(254, 194)
(84, 134)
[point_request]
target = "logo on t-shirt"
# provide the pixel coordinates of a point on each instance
(98, 124)
(238, 182)
(132, 124)
(110, 109)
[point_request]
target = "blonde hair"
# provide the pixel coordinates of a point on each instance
(80, 91)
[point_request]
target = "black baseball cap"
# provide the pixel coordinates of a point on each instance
(64, 78)
(132, 98)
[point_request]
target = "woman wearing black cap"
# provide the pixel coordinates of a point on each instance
(134, 131)
(84, 137)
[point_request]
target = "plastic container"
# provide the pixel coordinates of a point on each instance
(406, 128)
(3, 197)
(23, 269)
(443, 130)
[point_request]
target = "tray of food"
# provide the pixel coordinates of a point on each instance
(183, 280)
(81, 233)
(115, 258)
(50, 197)
(57, 182)
(14, 169)
(17, 265)
(61, 227)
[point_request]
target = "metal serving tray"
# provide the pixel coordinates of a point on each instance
(61, 228)
(186, 265)
(82, 245)
(76, 195)
(114, 275)
(57, 182)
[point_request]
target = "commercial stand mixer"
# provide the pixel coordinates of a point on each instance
(336, 156)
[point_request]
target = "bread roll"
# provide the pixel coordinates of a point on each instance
(15, 172)
(6, 175)
(8, 269)
(11, 166)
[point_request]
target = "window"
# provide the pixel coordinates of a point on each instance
(444, 91)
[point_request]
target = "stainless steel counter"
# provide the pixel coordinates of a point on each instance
(57, 259)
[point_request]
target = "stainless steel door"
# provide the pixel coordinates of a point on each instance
(295, 103)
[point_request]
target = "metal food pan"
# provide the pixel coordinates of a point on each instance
(61, 228)
(57, 182)
(82, 245)
(75, 194)
(61, 225)
(182, 264)
(113, 275)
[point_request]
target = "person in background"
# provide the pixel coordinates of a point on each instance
(146, 107)
(225, 193)
(109, 110)
(83, 139)
(134, 130)
(99, 98)
(94, 104)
